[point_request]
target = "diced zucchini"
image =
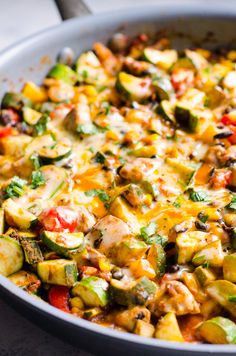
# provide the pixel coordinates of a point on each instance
(89, 69)
(92, 312)
(61, 242)
(56, 152)
(14, 101)
(221, 291)
(2, 223)
(63, 72)
(204, 275)
(17, 216)
(197, 59)
(128, 317)
(129, 250)
(163, 88)
(157, 258)
(211, 254)
(188, 243)
(61, 272)
(182, 167)
(31, 250)
(165, 59)
(166, 111)
(123, 211)
(37, 143)
(132, 293)
(168, 329)
(132, 87)
(143, 328)
(93, 291)
(11, 256)
(229, 267)
(26, 280)
(218, 330)
(146, 151)
(31, 116)
(186, 118)
(183, 63)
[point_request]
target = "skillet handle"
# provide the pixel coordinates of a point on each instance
(72, 8)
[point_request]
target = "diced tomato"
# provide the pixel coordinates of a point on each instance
(58, 296)
(221, 178)
(229, 119)
(6, 131)
(232, 138)
(59, 219)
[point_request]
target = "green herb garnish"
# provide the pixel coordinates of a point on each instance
(15, 188)
(197, 196)
(232, 204)
(100, 158)
(35, 160)
(86, 129)
(37, 179)
(100, 193)
(41, 125)
(232, 298)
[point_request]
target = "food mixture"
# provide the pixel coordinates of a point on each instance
(118, 189)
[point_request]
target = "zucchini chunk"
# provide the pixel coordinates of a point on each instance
(93, 291)
(63, 72)
(61, 272)
(61, 242)
(163, 88)
(182, 167)
(132, 87)
(157, 258)
(164, 59)
(56, 152)
(14, 101)
(129, 250)
(26, 280)
(37, 143)
(218, 330)
(89, 69)
(17, 216)
(78, 120)
(186, 118)
(31, 116)
(31, 250)
(211, 254)
(11, 256)
(133, 293)
(221, 291)
(198, 61)
(168, 329)
(229, 267)
(165, 110)
(143, 328)
(204, 275)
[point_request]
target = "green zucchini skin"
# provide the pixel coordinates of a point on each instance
(137, 293)
(15, 101)
(133, 88)
(63, 72)
(61, 272)
(32, 251)
(27, 281)
(62, 242)
(55, 153)
(11, 256)
(93, 291)
(186, 118)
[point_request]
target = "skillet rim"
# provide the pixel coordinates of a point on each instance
(200, 10)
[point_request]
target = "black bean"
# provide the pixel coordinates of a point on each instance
(201, 226)
(224, 134)
(170, 246)
(232, 188)
(117, 273)
(172, 268)
(140, 316)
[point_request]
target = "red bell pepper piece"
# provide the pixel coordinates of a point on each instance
(58, 296)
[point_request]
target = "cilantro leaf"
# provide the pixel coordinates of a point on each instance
(105, 105)
(100, 158)
(232, 298)
(198, 195)
(35, 160)
(100, 193)
(232, 204)
(203, 217)
(149, 235)
(15, 188)
(41, 125)
(148, 230)
(37, 179)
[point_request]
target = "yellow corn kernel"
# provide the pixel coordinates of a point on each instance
(151, 138)
(231, 55)
(148, 199)
(142, 268)
(132, 137)
(112, 135)
(76, 302)
(35, 93)
(90, 90)
(147, 151)
(104, 265)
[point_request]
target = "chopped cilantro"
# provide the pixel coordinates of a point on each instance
(41, 125)
(203, 217)
(15, 188)
(232, 298)
(84, 73)
(197, 196)
(37, 179)
(105, 105)
(100, 158)
(232, 204)
(148, 230)
(35, 160)
(100, 193)
(150, 188)
(149, 235)
(178, 201)
(101, 88)
(91, 149)
(205, 265)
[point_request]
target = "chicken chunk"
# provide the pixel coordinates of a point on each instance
(139, 169)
